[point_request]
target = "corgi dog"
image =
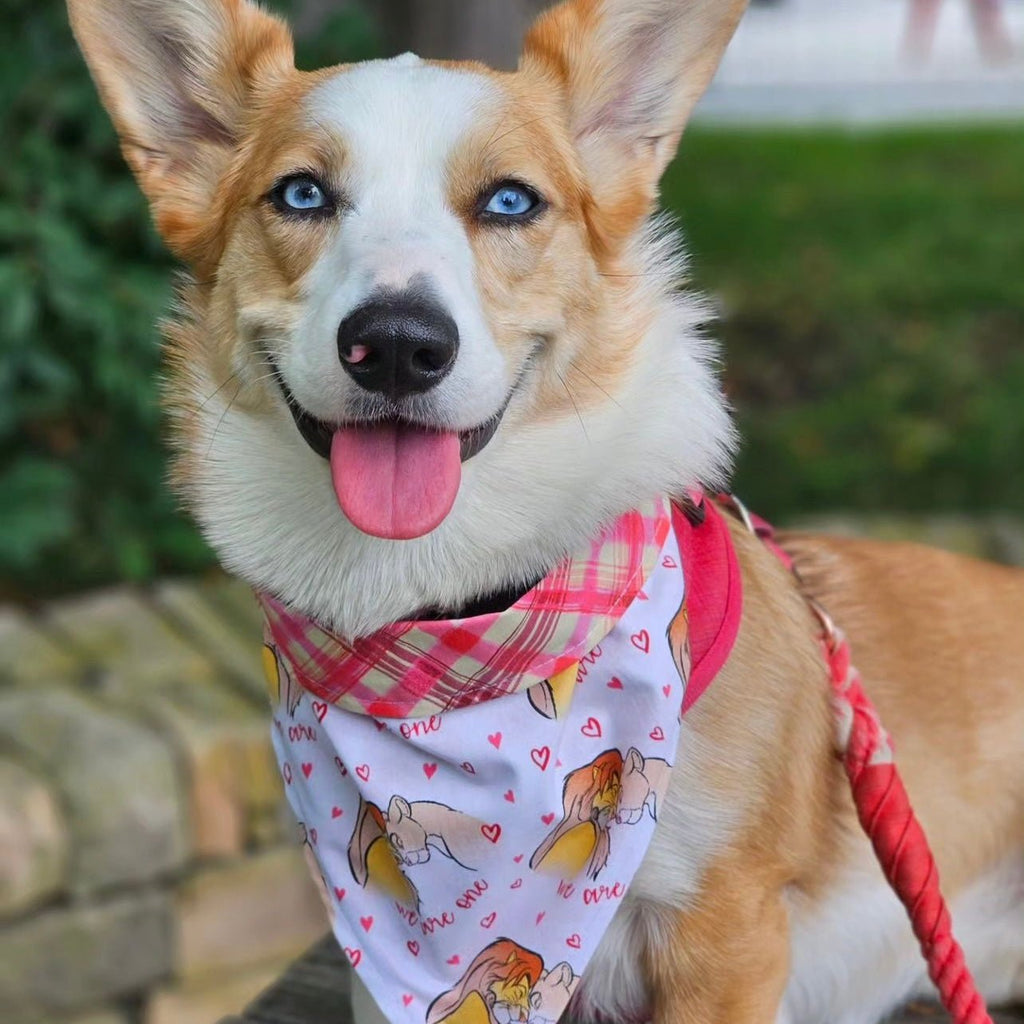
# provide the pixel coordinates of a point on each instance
(433, 341)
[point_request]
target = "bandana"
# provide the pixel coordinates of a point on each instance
(476, 795)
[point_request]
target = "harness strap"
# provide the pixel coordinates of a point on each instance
(885, 811)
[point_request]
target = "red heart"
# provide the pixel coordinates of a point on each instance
(615, 684)
(495, 740)
(413, 946)
(407, 1000)
(307, 769)
(313, 836)
(468, 768)
(341, 766)
(454, 960)
(363, 771)
(339, 893)
(489, 919)
(518, 859)
(669, 562)
(510, 796)
(286, 772)
(381, 726)
(354, 956)
(574, 942)
(541, 916)
(657, 734)
(430, 770)
(320, 710)
(492, 833)
(541, 757)
(547, 818)
(642, 641)
(592, 729)
(667, 690)
(336, 812)
(366, 922)
(517, 884)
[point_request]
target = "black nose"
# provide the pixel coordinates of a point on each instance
(398, 345)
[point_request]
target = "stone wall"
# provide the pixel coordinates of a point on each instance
(149, 873)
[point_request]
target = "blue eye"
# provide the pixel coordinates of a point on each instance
(511, 201)
(301, 194)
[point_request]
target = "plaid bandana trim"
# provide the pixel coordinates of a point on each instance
(417, 669)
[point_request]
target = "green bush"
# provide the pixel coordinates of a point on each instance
(83, 280)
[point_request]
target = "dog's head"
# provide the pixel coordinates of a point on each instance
(433, 339)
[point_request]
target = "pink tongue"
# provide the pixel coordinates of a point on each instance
(394, 480)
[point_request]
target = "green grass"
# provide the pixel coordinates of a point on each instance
(873, 292)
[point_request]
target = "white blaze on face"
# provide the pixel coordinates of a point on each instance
(399, 122)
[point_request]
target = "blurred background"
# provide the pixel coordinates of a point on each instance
(852, 196)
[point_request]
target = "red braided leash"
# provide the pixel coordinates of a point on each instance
(900, 843)
(886, 815)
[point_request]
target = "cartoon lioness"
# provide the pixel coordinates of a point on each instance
(551, 995)
(414, 829)
(642, 780)
(590, 803)
(384, 845)
(373, 861)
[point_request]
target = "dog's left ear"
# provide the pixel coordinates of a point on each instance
(631, 72)
(180, 78)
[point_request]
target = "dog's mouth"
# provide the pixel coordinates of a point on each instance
(393, 478)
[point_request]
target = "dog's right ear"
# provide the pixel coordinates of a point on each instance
(630, 73)
(178, 77)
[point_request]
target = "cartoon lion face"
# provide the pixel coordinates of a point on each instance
(605, 787)
(495, 989)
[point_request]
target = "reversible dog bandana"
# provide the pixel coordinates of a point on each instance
(477, 794)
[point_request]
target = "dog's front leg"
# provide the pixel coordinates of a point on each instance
(728, 960)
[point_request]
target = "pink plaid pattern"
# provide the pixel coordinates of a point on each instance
(416, 669)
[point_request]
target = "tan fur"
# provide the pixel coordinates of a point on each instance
(938, 641)
(177, 129)
(590, 51)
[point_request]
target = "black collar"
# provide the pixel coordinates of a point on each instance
(499, 601)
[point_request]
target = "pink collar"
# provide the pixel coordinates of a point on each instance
(714, 598)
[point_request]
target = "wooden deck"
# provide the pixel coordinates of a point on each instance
(315, 991)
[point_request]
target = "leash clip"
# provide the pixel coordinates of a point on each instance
(732, 502)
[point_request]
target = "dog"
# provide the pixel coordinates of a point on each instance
(433, 342)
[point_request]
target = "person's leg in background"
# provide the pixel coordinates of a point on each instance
(921, 24)
(989, 17)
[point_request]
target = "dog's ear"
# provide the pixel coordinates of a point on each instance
(178, 78)
(631, 72)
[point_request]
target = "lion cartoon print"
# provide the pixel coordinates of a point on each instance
(506, 984)
(678, 635)
(643, 779)
(384, 845)
(611, 789)
(582, 839)
(282, 688)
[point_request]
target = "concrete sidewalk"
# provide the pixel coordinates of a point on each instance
(842, 61)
